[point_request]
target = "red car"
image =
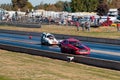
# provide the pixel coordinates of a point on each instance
(73, 46)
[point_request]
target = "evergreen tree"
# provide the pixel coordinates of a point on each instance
(67, 7)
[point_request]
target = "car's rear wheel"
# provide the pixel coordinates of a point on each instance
(42, 43)
(47, 44)
(72, 51)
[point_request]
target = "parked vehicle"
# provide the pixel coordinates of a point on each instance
(48, 39)
(73, 46)
(118, 17)
(113, 14)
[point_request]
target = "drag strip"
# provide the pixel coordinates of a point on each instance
(96, 50)
(38, 43)
(36, 39)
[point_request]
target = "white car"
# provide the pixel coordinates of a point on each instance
(48, 39)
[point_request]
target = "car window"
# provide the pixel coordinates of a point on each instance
(49, 36)
(74, 43)
(43, 35)
(65, 42)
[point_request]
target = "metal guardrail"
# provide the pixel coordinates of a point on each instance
(115, 65)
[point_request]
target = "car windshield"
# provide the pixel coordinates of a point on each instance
(74, 43)
(50, 36)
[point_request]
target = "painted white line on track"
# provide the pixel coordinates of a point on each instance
(24, 41)
(106, 52)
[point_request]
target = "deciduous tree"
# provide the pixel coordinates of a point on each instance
(84, 5)
(21, 4)
(102, 8)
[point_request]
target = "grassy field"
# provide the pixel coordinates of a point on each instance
(18, 66)
(104, 32)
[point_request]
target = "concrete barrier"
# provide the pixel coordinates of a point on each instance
(60, 36)
(18, 24)
(55, 55)
(98, 62)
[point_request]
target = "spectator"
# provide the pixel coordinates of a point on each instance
(98, 20)
(82, 23)
(92, 18)
(87, 25)
(49, 20)
(16, 15)
(77, 25)
(118, 26)
(83, 26)
(108, 20)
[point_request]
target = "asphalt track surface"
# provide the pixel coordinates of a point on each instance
(98, 50)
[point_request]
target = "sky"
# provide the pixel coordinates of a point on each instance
(34, 2)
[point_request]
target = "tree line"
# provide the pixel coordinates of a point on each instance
(100, 6)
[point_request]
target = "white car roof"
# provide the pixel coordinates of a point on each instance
(47, 34)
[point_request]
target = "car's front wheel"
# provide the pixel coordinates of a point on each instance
(62, 50)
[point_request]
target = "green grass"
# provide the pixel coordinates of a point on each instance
(5, 78)
(19, 66)
(103, 32)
